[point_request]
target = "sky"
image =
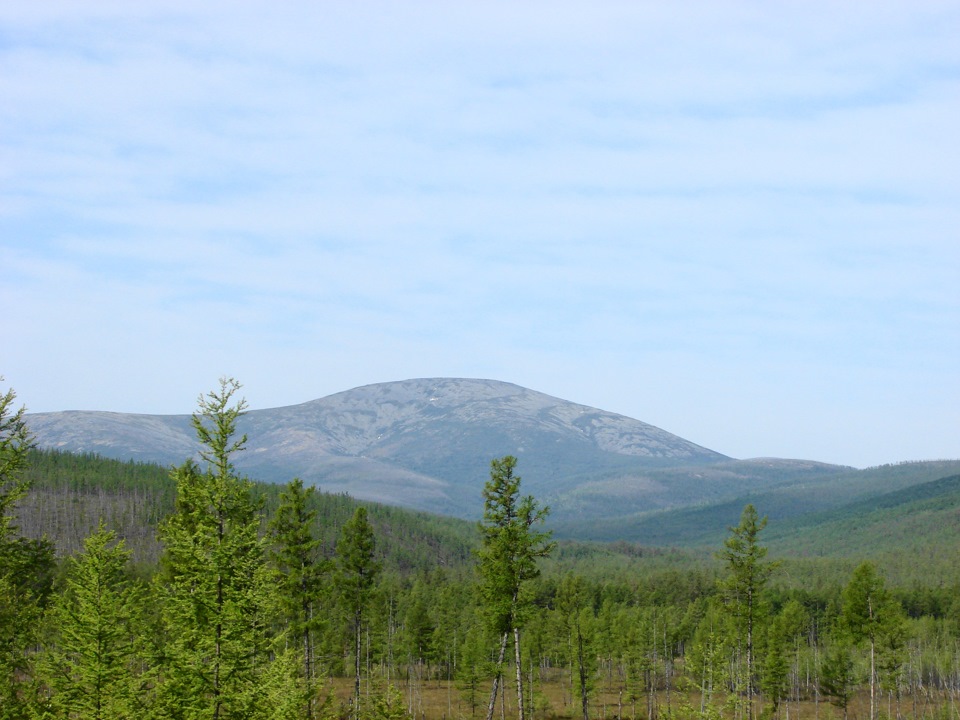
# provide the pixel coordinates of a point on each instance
(738, 221)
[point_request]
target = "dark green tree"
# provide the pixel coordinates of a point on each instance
(510, 547)
(870, 614)
(296, 556)
(838, 679)
(357, 571)
(15, 443)
(216, 599)
(747, 574)
(90, 666)
(774, 673)
(26, 566)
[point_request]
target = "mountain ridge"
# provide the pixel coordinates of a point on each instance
(420, 443)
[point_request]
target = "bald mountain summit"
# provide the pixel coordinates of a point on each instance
(427, 444)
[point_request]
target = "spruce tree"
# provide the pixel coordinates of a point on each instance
(357, 570)
(216, 601)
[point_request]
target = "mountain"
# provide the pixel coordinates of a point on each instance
(425, 443)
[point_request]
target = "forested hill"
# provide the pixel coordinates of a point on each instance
(70, 493)
(887, 510)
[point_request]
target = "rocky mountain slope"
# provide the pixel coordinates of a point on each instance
(423, 443)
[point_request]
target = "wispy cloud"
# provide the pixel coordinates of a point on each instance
(736, 221)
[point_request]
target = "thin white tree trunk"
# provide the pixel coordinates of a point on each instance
(492, 705)
(516, 655)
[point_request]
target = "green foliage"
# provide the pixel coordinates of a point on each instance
(817, 510)
(386, 704)
(25, 568)
(475, 665)
(15, 442)
(742, 588)
(838, 678)
(301, 568)
(356, 572)
(510, 546)
(871, 615)
(215, 589)
(89, 668)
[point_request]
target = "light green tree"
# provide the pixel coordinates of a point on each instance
(357, 569)
(747, 573)
(706, 660)
(214, 588)
(507, 560)
(90, 666)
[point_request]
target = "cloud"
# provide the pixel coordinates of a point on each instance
(729, 201)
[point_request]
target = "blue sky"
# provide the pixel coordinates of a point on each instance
(738, 221)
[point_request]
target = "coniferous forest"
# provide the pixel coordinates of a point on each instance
(133, 591)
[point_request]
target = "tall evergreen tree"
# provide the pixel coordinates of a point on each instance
(296, 555)
(89, 669)
(510, 547)
(215, 596)
(742, 588)
(357, 570)
(838, 679)
(25, 566)
(869, 615)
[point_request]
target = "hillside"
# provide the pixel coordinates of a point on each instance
(70, 493)
(425, 444)
(868, 512)
(919, 522)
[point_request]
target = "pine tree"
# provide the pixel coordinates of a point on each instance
(507, 561)
(89, 669)
(216, 603)
(357, 570)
